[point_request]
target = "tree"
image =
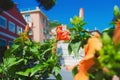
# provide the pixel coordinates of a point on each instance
(54, 24)
(6, 4)
(46, 4)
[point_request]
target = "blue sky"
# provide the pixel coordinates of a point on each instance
(97, 13)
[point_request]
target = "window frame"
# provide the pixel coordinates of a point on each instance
(43, 20)
(27, 17)
(5, 27)
(44, 31)
(21, 30)
(10, 22)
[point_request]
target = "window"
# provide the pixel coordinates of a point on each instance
(11, 26)
(44, 31)
(47, 24)
(19, 30)
(27, 17)
(3, 22)
(43, 20)
(3, 42)
(48, 36)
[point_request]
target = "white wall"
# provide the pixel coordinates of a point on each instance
(67, 59)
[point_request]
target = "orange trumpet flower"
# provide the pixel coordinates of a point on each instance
(94, 44)
(59, 32)
(24, 34)
(116, 36)
(27, 28)
(62, 35)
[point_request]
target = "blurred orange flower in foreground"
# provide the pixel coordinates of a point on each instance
(62, 35)
(26, 28)
(26, 31)
(116, 36)
(94, 44)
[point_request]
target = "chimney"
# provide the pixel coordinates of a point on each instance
(37, 8)
(95, 28)
(81, 13)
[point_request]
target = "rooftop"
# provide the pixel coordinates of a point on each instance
(30, 10)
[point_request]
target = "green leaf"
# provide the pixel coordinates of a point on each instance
(26, 73)
(76, 20)
(58, 77)
(56, 70)
(99, 75)
(9, 62)
(12, 50)
(31, 71)
(36, 69)
(0, 69)
(17, 62)
(117, 57)
(92, 76)
(115, 65)
(116, 10)
(74, 71)
(106, 38)
(69, 49)
(75, 47)
(35, 52)
(28, 42)
(7, 53)
(47, 50)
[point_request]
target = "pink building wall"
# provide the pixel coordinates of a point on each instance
(36, 17)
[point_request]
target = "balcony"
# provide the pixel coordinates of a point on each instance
(30, 33)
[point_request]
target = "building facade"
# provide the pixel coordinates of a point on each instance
(11, 23)
(66, 59)
(38, 24)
